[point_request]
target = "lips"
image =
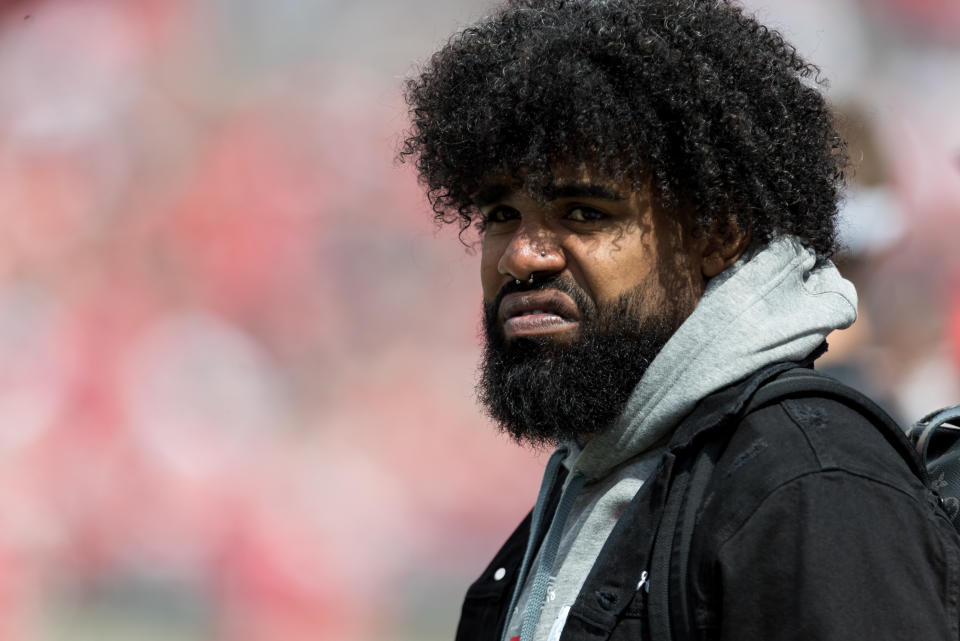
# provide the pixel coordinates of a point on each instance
(537, 313)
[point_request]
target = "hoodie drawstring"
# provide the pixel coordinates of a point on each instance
(541, 580)
(550, 474)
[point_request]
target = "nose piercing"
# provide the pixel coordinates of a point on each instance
(529, 280)
(543, 252)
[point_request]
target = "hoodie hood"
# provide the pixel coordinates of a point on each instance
(776, 303)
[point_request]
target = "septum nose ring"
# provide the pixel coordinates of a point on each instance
(543, 252)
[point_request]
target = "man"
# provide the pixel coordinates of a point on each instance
(655, 183)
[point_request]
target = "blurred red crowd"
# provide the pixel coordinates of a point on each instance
(235, 361)
(216, 340)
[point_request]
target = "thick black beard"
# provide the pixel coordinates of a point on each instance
(541, 391)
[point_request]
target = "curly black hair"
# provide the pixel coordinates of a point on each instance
(716, 112)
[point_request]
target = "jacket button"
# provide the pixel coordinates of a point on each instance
(499, 574)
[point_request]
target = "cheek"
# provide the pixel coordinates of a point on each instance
(617, 268)
(490, 277)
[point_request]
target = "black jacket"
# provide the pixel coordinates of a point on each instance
(812, 527)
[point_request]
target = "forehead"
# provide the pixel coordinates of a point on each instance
(561, 182)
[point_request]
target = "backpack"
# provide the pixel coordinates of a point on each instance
(931, 448)
(937, 440)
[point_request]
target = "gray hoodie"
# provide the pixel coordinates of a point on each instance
(777, 303)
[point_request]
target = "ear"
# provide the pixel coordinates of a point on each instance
(722, 248)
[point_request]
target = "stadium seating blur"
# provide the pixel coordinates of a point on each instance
(237, 357)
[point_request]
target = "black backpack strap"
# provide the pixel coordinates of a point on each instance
(670, 598)
(799, 383)
(690, 485)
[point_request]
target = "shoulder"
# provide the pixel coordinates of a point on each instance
(809, 494)
(810, 445)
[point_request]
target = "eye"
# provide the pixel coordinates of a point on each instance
(499, 214)
(585, 215)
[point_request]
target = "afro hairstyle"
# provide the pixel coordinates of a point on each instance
(716, 113)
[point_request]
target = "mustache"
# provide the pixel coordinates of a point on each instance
(565, 285)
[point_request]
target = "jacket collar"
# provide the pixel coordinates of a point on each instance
(716, 409)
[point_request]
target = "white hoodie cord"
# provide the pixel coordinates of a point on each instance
(538, 591)
(550, 475)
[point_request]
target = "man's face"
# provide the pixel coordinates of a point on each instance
(601, 236)
(612, 281)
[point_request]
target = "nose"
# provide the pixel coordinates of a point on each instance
(531, 251)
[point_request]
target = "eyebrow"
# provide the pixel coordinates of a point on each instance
(490, 194)
(582, 190)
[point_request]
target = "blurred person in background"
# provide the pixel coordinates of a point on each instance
(656, 185)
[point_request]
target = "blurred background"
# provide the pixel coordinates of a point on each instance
(236, 356)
